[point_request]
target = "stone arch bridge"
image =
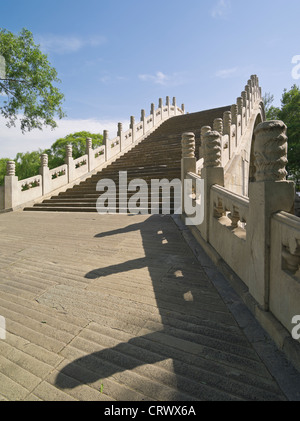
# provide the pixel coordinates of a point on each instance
(146, 307)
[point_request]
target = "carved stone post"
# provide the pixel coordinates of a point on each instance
(247, 90)
(268, 194)
(255, 86)
(106, 144)
(251, 96)
(227, 122)
(212, 173)
(227, 130)
(143, 119)
(240, 113)
(11, 192)
(132, 124)
(160, 106)
(70, 162)
(89, 152)
(245, 119)
(45, 173)
(218, 125)
(188, 160)
(120, 135)
(152, 112)
(204, 130)
(234, 113)
(11, 168)
(174, 105)
(88, 144)
(212, 149)
(188, 147)
(168, 104)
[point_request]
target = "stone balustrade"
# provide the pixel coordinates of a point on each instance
(256, 237)
(284, 296)
(235, 129)
(230, 209)
(17, 193)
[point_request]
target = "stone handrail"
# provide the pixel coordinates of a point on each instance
(30, 182)
(50, 181)
(257, 237)
(58, 171)
(285, 267)
(230, 205)
(290, 242)
(234, 126)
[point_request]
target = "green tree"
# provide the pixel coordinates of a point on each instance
(290, 115)
(3, 162)
(271, 111)
(57, 152)
(28, 164)
(28, 85)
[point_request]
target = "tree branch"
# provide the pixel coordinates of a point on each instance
(16, 80)
(7, 91)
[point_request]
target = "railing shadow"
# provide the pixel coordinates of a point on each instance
(164, 254)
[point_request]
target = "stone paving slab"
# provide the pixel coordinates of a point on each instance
(119, 308)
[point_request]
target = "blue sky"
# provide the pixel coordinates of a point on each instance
(115, 57)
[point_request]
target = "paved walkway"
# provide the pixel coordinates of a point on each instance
(119, 308)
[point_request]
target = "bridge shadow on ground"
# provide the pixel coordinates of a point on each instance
(185, 344)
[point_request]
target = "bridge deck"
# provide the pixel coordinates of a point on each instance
(119, 308)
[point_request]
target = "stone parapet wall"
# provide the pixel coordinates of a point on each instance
(285, 267)
(18, 193)
(256, 237)
(235, 129)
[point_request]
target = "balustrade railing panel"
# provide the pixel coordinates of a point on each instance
(99, 156)
(93, 160)
(30, 188)
(58, 177)
(228, 226)
(1, 197)
(285, 267)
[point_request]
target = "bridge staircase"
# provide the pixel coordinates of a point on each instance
(158, 156)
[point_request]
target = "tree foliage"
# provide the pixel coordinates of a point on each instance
(267, 100)
(289, 113)
(28, 164)
(29, 87)
(271, 111)
(3, 162)
(57, 152)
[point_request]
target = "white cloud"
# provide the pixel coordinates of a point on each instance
(67, 44)
(13, 141)
(226, 73)
(221, 9)
(159, 78)
(105, 79)
(108, 78)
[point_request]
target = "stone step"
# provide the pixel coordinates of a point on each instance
(91, 204)
(149, 165)
(146, 211)
(156, 157)
(91, 199)
(91, 188)
(137, 172)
